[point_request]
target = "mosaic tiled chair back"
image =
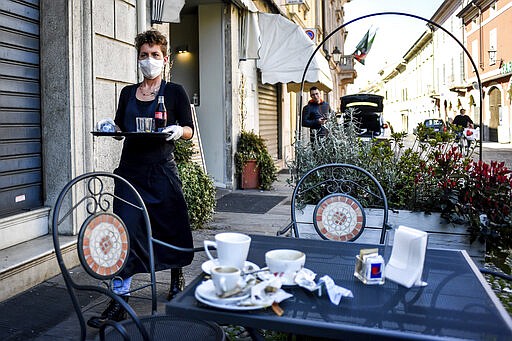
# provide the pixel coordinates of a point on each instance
(84, 228)
(103, 242)
(86, 232)
(332, 202)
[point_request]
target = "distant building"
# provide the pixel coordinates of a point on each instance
(436, 67)
(449, 79)
(487, 34)
(408, 86)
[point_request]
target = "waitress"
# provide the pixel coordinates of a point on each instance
(148, 164)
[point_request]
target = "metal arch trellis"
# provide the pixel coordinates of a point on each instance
(475, 68)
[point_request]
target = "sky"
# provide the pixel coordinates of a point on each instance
(395, 33)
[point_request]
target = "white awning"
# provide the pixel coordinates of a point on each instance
(166, 11)
(284, 52)
(249, 5)
(250, 36)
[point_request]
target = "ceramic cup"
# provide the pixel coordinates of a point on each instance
(225, 278)
(232, 249)
(285, 263)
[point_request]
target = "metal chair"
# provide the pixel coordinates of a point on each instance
(496, 273)
(337, 202)
(84, 209)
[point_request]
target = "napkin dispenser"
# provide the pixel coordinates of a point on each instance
(405, 265)
(369, 267)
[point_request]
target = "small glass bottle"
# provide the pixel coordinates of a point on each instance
(160, 115)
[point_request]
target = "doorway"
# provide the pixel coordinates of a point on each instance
(494, 111)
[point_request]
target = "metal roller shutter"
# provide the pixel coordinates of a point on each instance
(268, 101)
(20, 109)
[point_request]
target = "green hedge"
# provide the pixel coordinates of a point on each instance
(198, 187)
(431, 175)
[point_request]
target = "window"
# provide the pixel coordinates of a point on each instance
(493, 43)
(492, 9)
(452, 71)
(474, 52)
(462, 77)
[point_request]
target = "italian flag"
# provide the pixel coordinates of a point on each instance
(364, 47)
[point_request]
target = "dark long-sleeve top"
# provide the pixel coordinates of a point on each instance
(462, 120)
(314, 111)
(178, 112)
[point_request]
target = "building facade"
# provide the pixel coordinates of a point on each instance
(487, 32)
(408, 86)
(479, 29)
(449, 77)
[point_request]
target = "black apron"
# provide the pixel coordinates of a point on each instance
(148, 164)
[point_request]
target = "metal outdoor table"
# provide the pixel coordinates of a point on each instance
(456, 303)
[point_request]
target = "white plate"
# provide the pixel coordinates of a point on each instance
(206, 290)
(232, 306)
(265, 275)
(209, 264)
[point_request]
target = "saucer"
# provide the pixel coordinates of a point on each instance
(209, 264)
(206, 290)
(223, 305)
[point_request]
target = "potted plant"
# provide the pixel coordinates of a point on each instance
(254, 165)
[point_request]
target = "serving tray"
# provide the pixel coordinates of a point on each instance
(131, 134)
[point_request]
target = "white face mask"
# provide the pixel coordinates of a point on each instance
(151, 68)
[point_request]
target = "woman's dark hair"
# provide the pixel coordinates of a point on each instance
(151, 37)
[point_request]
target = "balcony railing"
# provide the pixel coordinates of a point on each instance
(346, 63)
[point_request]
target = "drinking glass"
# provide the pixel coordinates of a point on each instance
(145, 124)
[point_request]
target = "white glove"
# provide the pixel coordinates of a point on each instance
(175, 132)
(106, 125)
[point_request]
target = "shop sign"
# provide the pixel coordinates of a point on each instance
(294, 2)
(506, 68)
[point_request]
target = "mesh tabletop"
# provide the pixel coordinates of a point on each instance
(456, 303)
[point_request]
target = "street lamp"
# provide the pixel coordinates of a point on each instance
(336, 57)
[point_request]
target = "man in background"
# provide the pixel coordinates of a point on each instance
(463, 120)
(315, 114)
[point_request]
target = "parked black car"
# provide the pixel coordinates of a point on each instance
(367, 113)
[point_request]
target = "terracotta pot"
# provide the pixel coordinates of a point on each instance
(250, 175)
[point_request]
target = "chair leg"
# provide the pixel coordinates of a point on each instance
(177, 283)
(284, 229)
(113, 312)
(255, 334)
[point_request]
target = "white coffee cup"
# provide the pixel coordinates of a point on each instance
(232, 249)
(225, 278)
(285, 263)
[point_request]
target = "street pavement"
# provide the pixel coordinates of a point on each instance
(45, 312)
(494, 151)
